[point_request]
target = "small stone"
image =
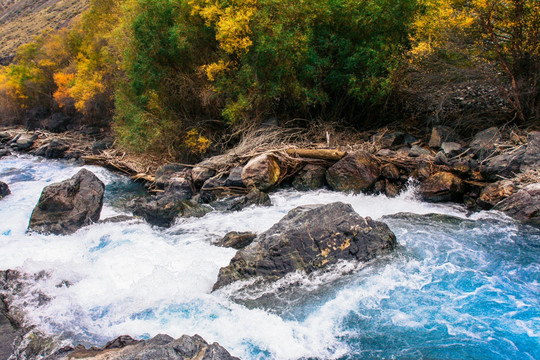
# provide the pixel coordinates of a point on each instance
(236, 240)
(451, 149)
(440, 134)
(417, 151)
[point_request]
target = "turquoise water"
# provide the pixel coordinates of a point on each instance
(457, 287)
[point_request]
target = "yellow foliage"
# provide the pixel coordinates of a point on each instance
(63, 83)
(196, 143)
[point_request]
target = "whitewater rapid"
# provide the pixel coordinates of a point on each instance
(453, 289)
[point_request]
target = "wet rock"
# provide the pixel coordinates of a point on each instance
(441, 134)
(531, 157)
(461, 168)
(423, 171)
(160, 347)
(236, 240)
(391, 189)
(165, 172)
(162, 210)
(25, 141)
(261, 172)
(57, 123)
(100, 146)
(56, 149)
(117, 219)
(201, 173)
(309, 238)
(494, 193)
(356, 172)
(451, 149)
(239, 202)
(311, 177)
(506, 165)
(4, 152)
(4, 190)
(379, 187)
(9, 335)
(523, 205)
(4, 137)
(120, 342)
(65, 207)
(483, 143)
(390, 171)
(417, 151)
(180, 186)
(442, 186)
(235, 178)
(212, 189)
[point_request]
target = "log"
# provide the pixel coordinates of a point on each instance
(323, 154)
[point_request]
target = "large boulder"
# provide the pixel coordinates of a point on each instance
(201, 173)
(160, 347)
(162, 210)
(261, 172)
(4, 190)
(531, 157)
(506, 165)
(356, 172)
(65, 207)
(56, 149)
(441, 134)
(235, 178)
(57, 123)
(309, 238)
(483, 143)
(523, 205)
(442, 186)
(25, 142)
(311, 177)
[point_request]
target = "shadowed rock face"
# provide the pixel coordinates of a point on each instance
(442, 186)
(309, 238)
(523, 205)
(356, 172)
(65, 207)
(4, 190)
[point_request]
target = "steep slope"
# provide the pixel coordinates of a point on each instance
(21, 20)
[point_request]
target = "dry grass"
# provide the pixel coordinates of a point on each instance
(21, 20)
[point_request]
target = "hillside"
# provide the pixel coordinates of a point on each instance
(20, 20)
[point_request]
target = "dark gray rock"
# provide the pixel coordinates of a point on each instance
(4, 137)
(309, 238)
(408, 139)
(442, 186)
(182, 187)
(531, 157)
(25, 141)
(4, 152)
(99, 146)
(417, 151)
(56, 149)
(441, 159)
(33, 118)
(65, 207)
(4, 190)
(387, 140)
(506, 165)
(236, 240)
(311, 177)
(483, 143)
(212, 189)
(390, 171)
(451, 149)
(356, 172)
(165, 172)
(117, 219)
(162, 210)
(235, 178)
(441, 134)
(9, 335)
(57, 123)
(239, 202)
(201, 173)
(523, 205)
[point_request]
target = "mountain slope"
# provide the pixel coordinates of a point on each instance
(21, 20)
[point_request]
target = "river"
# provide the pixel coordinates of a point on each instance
(457, 286)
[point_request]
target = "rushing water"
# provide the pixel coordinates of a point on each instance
(456, 288)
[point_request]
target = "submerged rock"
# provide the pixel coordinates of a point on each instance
(356, 172)
(523, 205)
(261, 172)
(65, 207)
(4, 190)
(309, 238)
(162, 210)
(442, 186)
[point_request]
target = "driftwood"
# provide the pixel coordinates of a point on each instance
(322, 154)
